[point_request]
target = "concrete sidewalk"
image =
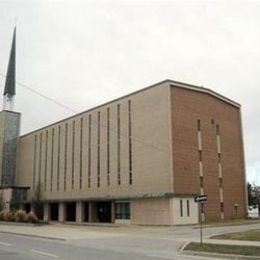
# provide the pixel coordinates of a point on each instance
(228, 242)
(58, 232)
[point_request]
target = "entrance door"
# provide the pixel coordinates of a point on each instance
(54, 211)
(104, 211)
(71, 211)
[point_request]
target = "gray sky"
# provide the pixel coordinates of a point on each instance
(84, 53)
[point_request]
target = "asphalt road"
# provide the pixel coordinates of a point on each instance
(14, 247)
(111, 243)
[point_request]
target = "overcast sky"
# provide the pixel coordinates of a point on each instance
(84, 53)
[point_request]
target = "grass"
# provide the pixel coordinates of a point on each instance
(224, 249)
(251, 235)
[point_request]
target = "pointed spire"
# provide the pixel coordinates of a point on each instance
(10, 76)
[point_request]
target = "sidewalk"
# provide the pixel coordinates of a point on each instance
(228, 242)
(57, 232)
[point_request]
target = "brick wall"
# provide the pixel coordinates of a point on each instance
(189, 106)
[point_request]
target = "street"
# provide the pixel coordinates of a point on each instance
(14, 247)
(98, 243)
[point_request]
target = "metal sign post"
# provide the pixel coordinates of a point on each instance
(201, 199)
(201, 221)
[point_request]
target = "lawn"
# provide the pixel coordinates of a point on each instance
(251, 235)
(224, 249)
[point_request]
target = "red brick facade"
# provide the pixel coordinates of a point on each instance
(189, 106)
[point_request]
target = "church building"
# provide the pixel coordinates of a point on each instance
(139, 159)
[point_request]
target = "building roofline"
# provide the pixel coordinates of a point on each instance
(204, 90)
(10, 111)
(169, 81)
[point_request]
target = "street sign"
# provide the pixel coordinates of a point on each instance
(201, 198)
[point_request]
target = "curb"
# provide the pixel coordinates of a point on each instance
(36, 236)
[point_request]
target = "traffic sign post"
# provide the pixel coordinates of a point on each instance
(201, 199)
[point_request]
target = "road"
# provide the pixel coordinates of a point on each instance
(98, 243)
(15, 247)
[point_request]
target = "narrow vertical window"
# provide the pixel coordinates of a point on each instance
(89, 151)
(200, 156)
(52, 152)
(220, 172)
(80, 156)
(58, 160)
(220, 182)
(200, 164)
(218, 140)
(34, 159)
(46, 161)
(73, 155)
(188, 207)
(108, 146)
(118, 147)
(217, 129)
(98, 151)
(198, 124)
(40, 159)
(181, 208)
(222, 206)
(65, 157)
(201, 181)
(219, 157)
(130, 141)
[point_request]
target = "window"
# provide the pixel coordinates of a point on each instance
(222, 206)
(34, 159)
(200, 156)
(46, 161)
(98, 151)
(188, 207)
(52, 153)
(220, 182)
(122, 210)
(118, 146)
(219, 157)
(58, 159)
(80, 158)
(201, 181)
(130, 141)
(181, 208)
(40, 158)
(73, 155)
(108, 146)
(198, 123)
(217, 129)
(65, 156)
(89, 151)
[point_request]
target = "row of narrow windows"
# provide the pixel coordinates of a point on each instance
(54, 153)
(219, 157)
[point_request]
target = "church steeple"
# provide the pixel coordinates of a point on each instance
(9, 91)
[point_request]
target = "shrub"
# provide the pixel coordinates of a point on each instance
(8, 215)
(31, 217)
(2, 215)
(20, 216)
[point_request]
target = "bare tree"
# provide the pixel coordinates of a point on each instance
(37, 204)
(2, 203)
